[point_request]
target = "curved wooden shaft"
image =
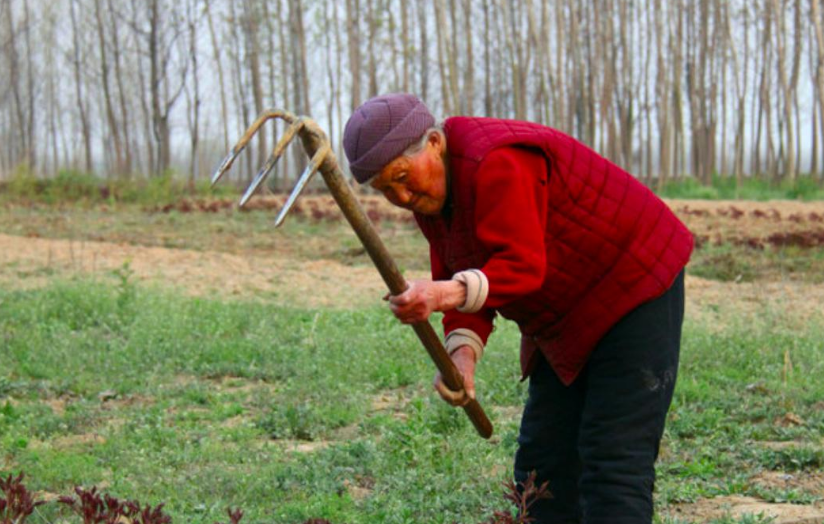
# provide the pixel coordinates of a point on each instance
(349, 205)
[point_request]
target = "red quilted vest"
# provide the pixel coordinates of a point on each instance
(611, 243)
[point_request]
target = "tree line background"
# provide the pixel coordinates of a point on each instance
(666, 89)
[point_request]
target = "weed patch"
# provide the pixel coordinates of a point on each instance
(329, 413)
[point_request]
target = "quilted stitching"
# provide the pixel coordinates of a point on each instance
(611, 244)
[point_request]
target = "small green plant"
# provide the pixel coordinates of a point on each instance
(794, 458)
(689, 187)
(73, 186)
(300, 422)
(23, 183)
(125, 286)
(723, 263)
(804, 187)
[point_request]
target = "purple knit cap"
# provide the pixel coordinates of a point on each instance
(381, 129)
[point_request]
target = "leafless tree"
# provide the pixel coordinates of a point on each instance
(663, 88)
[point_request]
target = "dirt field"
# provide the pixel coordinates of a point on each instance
(279, 276)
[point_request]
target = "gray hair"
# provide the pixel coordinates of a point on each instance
(416, 148)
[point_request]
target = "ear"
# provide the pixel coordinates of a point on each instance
(437, 141)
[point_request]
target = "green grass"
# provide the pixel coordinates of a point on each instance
(73, 186)
(729, 262)
(211, 399)
(805, 187)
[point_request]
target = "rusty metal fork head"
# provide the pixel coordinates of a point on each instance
(297, 126)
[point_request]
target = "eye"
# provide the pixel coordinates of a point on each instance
(401, 176)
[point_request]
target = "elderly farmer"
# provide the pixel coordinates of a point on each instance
(525, 221)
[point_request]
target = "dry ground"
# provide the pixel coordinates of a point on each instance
(276, 275)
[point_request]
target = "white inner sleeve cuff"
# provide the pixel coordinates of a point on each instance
(477, 289)
(464, 337)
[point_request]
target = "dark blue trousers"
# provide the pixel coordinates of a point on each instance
(596, 441)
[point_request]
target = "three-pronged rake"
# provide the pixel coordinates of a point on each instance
(323, 160)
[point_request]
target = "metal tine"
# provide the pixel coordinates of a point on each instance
(314, 165)
(226, 163)
(277, 152)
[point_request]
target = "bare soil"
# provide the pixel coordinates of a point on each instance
(283, 277)
(31, 262)
(737, 506)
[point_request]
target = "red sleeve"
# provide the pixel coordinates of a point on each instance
(510, 221)
(479, 322)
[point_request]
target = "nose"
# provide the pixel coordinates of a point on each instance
(399, 195)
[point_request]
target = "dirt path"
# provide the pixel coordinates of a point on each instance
(31, 262)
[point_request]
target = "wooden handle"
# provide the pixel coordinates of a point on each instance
(386, 266)
(451, 376)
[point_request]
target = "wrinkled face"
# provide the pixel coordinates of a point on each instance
(416, 182)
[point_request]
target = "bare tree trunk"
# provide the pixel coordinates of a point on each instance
(31, 148)
(469, 69)
(338, 71)
(798, 47)
(122, 96)
(284, 72)
(330, 72)
(534, 43)
(302, 57)
(78, 82)
(516, 55)
(160, 125)
(238, 82)
(626, 91)
(283, 180)
(224, 111)
(393, 44)
(452, 58)
(424, 47)
(404, 43)
(560, 109)
(250, 21)
(53, 105)
(679, 138)
(788, 143)
(300, 87)
(371, 65)
(18, 152)
(487, 68)
(192, 18)
(647, 140)
(723, 20)
(271, 54)
(144, 97)
(765, 109)
(443, 49)
(740, 95)
(353, 34)
(107, 98)
(663, 96)
(818, 29)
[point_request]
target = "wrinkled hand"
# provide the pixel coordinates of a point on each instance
(464, 359)
(420, 299)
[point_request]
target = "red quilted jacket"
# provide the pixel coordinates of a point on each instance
(611, 244)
